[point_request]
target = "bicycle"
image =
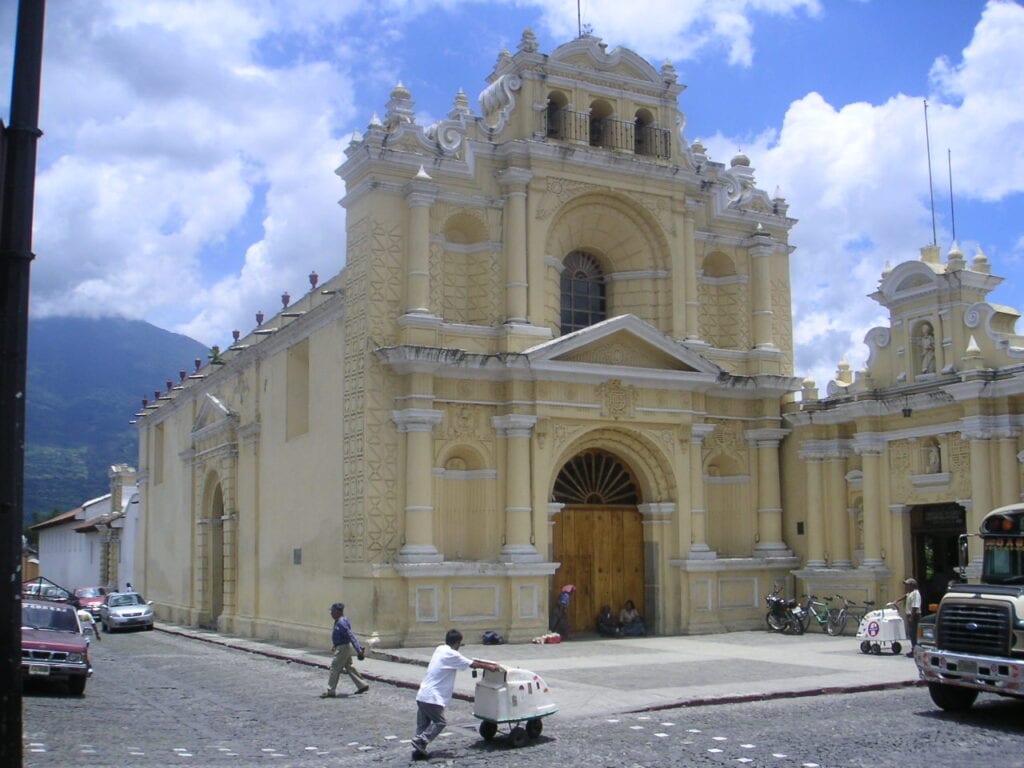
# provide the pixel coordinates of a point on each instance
(850, 610)
(818, 609)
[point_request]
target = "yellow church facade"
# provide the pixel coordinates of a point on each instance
(560, 352)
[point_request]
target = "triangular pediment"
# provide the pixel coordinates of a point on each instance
(211, 412)
(624, 341)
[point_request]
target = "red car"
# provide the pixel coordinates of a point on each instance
(91, 598)
(53, 648)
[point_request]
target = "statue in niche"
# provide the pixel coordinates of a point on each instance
(932, 459)
(927, 344)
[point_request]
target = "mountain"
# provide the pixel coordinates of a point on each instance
(86, 379)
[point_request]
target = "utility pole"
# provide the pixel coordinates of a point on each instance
(17, 192)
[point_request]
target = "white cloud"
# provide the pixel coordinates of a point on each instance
(857, 179)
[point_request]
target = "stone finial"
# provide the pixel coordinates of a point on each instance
(740, 159)
(887, 269)
(930, 254)
(843, 373)
(400, 108)
(375, 121)
(528, 42)
(503, 58)
(808, 390)
(668, 72)
(971, 360)
(955, 258)
(460, 107)
(980, 262)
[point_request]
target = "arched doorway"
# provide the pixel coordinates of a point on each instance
(598, 536)
(213, 559)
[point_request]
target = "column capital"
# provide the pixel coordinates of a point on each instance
(420, 193)
(417, 419)
(698, 432)
(766, 438)
(514, 179)
(513, 425)
(868, 443)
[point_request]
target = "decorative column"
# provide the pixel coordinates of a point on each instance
(1009, 469)
(519, 541)
(685, 304)
(815, 508)
(975, 429)
(419, 194)
(838, 512)
(418, 424)
(769, 496)
(870, 447)
(699, 549)
(514, 182)
(760, 255)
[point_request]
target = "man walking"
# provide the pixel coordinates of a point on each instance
(438, 684)
(344, 642)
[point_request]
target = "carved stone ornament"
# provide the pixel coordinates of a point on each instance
(617, 401)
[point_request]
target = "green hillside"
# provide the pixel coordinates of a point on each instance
(86, 379)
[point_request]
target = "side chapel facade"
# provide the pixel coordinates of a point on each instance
(560, 351)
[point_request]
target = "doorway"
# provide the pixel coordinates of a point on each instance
(934, 534)
(598, 538)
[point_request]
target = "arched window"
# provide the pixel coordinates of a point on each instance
(583, 292)
(643, 140)
(557, 115)
(600, 112)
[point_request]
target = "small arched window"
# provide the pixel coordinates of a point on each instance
(643, 137)
(557, 115)
(583, 292)
(600, 112)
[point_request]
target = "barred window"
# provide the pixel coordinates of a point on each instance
(583, 292)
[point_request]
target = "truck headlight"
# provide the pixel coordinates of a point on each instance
(926, 634)
(76, 658)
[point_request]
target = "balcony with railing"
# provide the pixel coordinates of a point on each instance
(607, 133)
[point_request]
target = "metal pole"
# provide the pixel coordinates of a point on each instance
(17, 193)
(931, 187)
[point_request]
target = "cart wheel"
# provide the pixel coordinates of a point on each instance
(876, 649)
(534, 727)
(487, 729)
(865, 647)
(518, 736)
(896, 648)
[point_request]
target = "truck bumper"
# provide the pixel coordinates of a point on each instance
(993, 674)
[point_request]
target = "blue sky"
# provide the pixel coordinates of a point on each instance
(186, 173)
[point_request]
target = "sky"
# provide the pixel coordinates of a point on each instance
(186, 175)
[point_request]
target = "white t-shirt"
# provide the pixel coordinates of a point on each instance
(439, 682)
(913, 601)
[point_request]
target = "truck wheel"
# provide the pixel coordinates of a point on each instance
(487, 729)
(76, 685)
(952, 698)
(518, 736)
(876, 649)
(534, 727)
(896, 648)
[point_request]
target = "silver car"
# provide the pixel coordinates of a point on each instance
(122, 610)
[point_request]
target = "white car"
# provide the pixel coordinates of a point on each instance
(123, 610)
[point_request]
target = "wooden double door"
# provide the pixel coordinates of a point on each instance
(601, 551)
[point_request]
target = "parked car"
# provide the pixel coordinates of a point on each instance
(91, 598)
(122, 610)
(53, 647)
(42, 587)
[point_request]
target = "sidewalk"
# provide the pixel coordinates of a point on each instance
(611, 676)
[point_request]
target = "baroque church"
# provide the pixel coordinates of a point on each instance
(560, 352)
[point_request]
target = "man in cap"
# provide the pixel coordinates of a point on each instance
(344, 641)
(912, 610)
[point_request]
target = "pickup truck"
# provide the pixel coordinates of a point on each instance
(53, 647)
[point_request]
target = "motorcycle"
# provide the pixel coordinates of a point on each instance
(783, 614)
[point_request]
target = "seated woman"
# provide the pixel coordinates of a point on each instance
(631, 623)
(606, 624)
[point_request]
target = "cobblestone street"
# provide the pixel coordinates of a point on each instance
(162, 700)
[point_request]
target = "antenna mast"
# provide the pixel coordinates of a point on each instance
(931, 189)
(579, 19)
(952, 213)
